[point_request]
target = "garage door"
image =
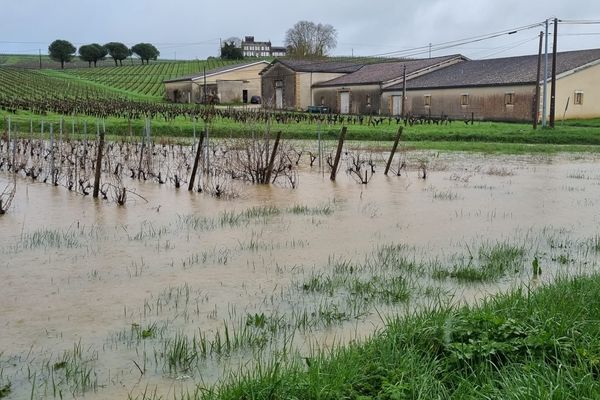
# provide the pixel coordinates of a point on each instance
(397, 105)
(344, 102)
(279, 98)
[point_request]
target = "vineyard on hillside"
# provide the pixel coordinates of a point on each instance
(37, 85)
(145, 80)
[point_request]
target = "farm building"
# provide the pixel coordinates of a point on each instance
(288, 84)
(502, 89)
(360, 92)
(229, 84)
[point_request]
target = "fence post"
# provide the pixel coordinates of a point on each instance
(394, 147)
(272, 159)
(338, 153)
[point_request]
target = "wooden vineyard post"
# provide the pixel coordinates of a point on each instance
(394, 147)
(272, 159)
(51, 153)
(338, 153)
(195, 167)
(98, 165)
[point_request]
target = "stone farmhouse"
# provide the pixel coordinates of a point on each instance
(229, 84)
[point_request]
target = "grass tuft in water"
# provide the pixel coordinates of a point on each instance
(298, 209)
(492, 263)
(5, 390)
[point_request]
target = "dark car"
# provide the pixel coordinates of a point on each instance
(255, 100)
(318, 109)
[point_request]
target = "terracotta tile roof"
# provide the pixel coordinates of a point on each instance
(385, 71)
(498, 71)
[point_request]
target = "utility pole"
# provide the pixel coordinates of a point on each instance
(545, 99)
(553, 88)
(536, 99)
(40, 54)
(403, 91)
(204, 87)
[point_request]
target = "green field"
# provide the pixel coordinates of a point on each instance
(132, 80)
(487, 137)
(145, 80)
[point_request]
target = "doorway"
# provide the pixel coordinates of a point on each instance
(279, 98)
(244, 96)
(344, 102)
(396, 105)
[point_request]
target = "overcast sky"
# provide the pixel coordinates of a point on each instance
(191, 29)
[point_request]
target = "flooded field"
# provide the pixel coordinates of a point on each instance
(168, 296)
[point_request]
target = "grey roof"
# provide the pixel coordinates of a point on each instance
(320, 66)
(498, 71)
(386, 71)
(213, 71)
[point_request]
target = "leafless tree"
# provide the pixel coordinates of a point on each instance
(309, 40)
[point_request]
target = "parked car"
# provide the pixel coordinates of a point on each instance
(318, 109)
(255, 100)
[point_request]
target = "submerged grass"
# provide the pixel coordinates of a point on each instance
(493, 261)
(512, 346)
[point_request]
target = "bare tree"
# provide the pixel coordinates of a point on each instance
(309, 40)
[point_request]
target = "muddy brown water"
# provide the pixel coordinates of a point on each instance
(125, 263)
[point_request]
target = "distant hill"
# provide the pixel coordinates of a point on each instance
(132, 81)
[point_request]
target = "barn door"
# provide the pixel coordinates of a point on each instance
(344, 102)
(396, 105)
(279, 97)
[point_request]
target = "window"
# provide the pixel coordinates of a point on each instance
(427, 100)
(464, 99)
(322, 100)
(509, 99)
(368, 100)
(578, 99)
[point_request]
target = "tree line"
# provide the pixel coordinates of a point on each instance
(63, 51)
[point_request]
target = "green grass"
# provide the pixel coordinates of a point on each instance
(482, 137)
(520, 345)
(493, 261)
(5, 390)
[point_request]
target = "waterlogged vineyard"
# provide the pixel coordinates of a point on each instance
(175, 291)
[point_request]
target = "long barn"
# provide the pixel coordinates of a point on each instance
(503, 89)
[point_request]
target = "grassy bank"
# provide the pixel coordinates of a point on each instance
(491, 137)
(522, 345)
